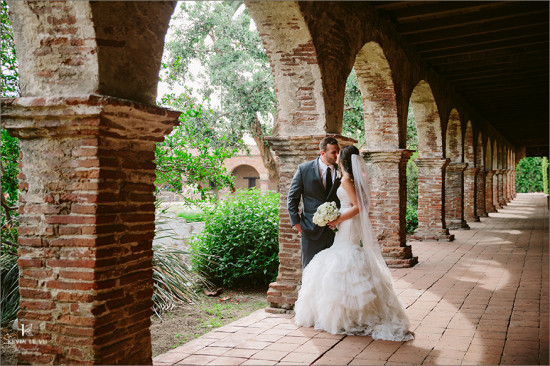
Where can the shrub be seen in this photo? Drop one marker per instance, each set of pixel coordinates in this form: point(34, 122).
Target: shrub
point(241, 237)
point(191, 216)
point(529, 175)
point(411, 219)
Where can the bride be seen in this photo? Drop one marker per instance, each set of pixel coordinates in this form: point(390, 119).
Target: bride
point(347, 288)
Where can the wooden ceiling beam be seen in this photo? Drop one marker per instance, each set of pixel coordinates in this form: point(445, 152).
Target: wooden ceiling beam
point(443, 9)
point(509, 10)
point(485, 40)
point(491, 26)
point(538, 41)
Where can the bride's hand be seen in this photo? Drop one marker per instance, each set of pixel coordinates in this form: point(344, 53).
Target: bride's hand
point(332, 224)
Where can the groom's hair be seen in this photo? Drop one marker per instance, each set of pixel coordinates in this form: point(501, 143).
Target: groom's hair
point(327, 141)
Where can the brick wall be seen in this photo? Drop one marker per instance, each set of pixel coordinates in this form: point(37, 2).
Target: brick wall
point(86, 226)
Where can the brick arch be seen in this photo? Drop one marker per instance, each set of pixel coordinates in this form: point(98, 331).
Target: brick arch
point(82, 48)
point(298, 83)
point(428, 124)
point(375, 80)
point(453, 138)
point(469, 147)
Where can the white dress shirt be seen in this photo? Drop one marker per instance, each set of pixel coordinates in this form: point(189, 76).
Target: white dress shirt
point(323, 172)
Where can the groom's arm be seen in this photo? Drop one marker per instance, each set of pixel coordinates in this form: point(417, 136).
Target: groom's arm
point(294, 196)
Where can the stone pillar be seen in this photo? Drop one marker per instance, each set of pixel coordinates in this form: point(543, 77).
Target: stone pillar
point(514, 187)
point(496, 185)
point(501, 187)
point(480, 193)
point(291, 151)
point(388, 180)
point(431, 200)
point(454, 196)
point(87, 220)
point(470, 191)
point(489, 203)
point(505, 186)
point(509, 194)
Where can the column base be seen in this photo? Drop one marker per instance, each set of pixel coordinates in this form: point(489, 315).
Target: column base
point(472, 218)
point(399, 257)
point(457, 225)
point(433, 235)
point(281, 297)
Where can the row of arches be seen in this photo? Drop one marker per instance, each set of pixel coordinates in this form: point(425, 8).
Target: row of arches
point(88, 126)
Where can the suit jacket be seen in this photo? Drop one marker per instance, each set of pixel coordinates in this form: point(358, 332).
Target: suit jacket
point(307, 185)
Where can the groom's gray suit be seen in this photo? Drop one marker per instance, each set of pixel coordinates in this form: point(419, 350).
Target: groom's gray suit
point(307, 185)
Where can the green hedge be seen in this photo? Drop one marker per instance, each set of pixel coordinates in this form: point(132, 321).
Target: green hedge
point(529, 176)
point(241, 237)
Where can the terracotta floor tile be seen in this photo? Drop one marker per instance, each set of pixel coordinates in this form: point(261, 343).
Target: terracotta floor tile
point(270, 355)
point(240, 352)
point(333, 360)
point(300, 358)
point(228, 361)
point(294, 340)
point(213, 351)
point(253, 345)
point(288, 347)
point(197, 360)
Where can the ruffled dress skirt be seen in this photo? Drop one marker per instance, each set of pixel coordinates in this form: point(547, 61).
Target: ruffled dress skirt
point(338, 293)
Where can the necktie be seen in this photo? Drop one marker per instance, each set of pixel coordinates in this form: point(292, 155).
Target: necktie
point(329, 181)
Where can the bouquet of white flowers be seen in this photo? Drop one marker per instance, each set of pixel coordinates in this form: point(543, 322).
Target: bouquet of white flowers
point(328, 211)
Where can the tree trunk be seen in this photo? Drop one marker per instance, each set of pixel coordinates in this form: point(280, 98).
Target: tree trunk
point(267, 155)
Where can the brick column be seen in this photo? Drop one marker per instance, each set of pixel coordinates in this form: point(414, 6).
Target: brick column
point(454, 196)
point(508, 176)
point(489, 203)
point(512, 187)
point(291, 151)
point(388, 180)
point(501, 187)
point(480, 193)
point(431, 200)
point(496, 186)
point(86, 226)
point(470, 191)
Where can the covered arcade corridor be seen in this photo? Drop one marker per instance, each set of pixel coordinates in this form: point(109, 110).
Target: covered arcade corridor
point(479, 300)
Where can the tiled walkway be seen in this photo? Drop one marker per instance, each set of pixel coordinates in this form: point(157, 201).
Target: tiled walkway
point(480, 300)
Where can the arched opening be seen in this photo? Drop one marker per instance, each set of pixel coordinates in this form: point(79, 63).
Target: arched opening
point(431, 166)
point(453, 138)
point(246, 177)
point(378, 95)
point(382, 154)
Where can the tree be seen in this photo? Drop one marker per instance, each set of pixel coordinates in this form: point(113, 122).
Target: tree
point(193, 153)
point(235, 66)
point(353, 124)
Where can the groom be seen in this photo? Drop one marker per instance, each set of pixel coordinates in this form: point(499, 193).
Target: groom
point(315, 182)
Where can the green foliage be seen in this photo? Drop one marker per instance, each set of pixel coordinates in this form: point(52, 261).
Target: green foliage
point(194, 150)
point(412, 194)
point(9, 86)
point(412, 135)
point(191, 216)
point(411, 219)
point(353, 123)
point(544, 167)
point(9, 301)
point(529, 175)
point(241, 237)
point(173, 279)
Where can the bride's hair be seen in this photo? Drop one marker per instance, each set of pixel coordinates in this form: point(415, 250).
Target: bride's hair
point(345, 158)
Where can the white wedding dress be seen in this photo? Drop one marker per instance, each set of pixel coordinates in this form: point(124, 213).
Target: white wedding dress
point(346, 292)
